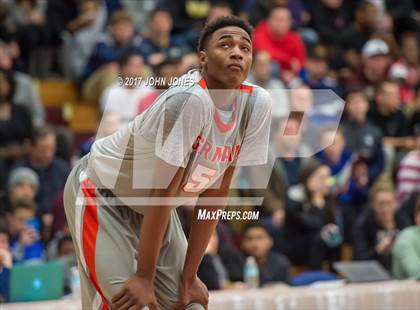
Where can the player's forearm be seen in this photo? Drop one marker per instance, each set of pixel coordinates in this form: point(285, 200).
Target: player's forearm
point(156, 220)
point(152, 231)
point(201, 230)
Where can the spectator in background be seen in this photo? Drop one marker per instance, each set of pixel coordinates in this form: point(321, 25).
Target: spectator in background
point(66, 253)
point(31, 35)
point(257, 242)
point(217, 9)
point(52, 171)
point(24, 230)
point(350, 171)
point(406, 252)
point(337, 157)
point(377, 228)
point(375, 62)
point(289, 152)
point(22, 186)
point(165, 70)
point(364, 140)
point(256, 11)
point(363, 27)
point(25, 94)
point(65, 247)
point(330, 18)
point(362, 136)
point(101, 70)
point(212, 271)
point(275, 36)
point(386, 113)
point(6, 262)
point(406, 70)
point(79, 34)
point(53, 250)
point(110, 123)
point(410, 51)
point(123, 98)
point(394, 13)
point(191, 14)
point(399, 73)
point(316, 72)
point(261, 75)
point(159, 40)
point(408, 177)
point(413, 113)
point(301, 98)
point(311, 227)
point(15, 122)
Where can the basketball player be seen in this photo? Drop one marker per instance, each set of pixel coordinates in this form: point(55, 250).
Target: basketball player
point(133, 254)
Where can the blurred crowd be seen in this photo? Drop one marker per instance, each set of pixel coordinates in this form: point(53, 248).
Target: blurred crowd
point(359, 193)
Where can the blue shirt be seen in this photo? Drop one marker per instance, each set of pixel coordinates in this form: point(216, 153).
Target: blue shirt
point(176, 47)
point(107, 51)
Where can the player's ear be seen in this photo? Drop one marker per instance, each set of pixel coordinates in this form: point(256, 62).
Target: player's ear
point(202, 58)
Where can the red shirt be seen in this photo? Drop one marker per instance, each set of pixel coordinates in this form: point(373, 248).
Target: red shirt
point(282, 49)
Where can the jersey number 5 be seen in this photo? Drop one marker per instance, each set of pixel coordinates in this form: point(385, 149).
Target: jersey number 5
point(199, 179)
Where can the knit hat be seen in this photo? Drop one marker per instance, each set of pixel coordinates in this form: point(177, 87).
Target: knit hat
point(23, 174)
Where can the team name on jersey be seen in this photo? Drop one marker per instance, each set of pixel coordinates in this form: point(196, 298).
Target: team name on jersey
point(215, 153)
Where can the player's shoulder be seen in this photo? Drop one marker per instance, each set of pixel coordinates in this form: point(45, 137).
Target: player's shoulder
point(259, 96)
point(187, 93)
point(189, 84)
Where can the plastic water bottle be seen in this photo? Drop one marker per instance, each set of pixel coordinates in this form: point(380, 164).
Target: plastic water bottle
point(75, 282)
point(251, 273)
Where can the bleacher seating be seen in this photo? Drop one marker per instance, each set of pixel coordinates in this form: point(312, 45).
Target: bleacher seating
point(63, 107)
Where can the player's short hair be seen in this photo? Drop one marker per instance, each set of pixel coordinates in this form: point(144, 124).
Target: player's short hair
point(221, 22)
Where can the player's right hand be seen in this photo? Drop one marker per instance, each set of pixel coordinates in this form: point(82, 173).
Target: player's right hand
point(192, 292)
point(137, 292)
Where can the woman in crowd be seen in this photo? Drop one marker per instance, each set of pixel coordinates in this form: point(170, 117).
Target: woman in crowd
point(377, 228)
point(15, 122)
point(311, 229)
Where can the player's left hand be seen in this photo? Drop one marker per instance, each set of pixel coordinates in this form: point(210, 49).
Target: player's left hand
point(192, 292)
point(137, 293)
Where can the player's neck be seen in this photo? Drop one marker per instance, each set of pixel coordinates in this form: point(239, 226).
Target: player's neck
point(223, 99)
point(215, 84)
point(223, 95)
